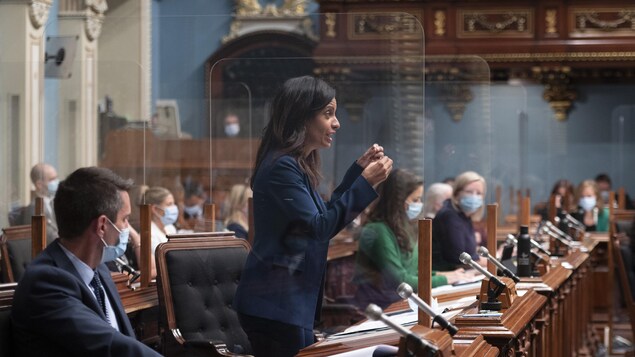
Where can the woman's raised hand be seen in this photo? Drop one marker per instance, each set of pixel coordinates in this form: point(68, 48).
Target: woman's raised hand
point(377, 171)
point(374, 153)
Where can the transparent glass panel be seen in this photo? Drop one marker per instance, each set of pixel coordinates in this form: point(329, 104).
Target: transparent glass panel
point(379, 91)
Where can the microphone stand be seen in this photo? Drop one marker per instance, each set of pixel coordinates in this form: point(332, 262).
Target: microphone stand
point(495, 287)
point(414, 346)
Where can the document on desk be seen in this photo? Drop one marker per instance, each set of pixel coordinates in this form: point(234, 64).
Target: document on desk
point(403, 318)
point(374, 351)
point(444, 289)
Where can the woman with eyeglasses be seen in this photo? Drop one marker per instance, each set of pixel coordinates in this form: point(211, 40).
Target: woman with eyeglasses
point(452, 229)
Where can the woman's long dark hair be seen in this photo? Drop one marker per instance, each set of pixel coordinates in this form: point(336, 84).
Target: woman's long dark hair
point(390, 206)
point(297, 102)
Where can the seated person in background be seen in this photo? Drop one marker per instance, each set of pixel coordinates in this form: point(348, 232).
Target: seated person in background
point(388, 253)
point(45, 183)
point(164, 215)
point(452, 229)
point(194, 197)
point(66, 304)
point(237, 218)
point(590, 209)
point(605, 184)
point(435, 196)
point(564, 198)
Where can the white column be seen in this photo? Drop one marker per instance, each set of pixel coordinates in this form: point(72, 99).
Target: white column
point(21, 95)
point(78, 94)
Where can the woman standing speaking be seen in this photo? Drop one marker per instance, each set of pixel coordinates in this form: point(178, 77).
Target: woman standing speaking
point(280, 292)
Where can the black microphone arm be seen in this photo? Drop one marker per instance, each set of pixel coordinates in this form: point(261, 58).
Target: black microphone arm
point(482, 251)
point(405, 291)
point(512, 240)
point(467, 259)
point(128, 269)
point(375, 313)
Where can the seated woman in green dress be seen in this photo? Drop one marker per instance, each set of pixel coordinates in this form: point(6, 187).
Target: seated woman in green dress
point(388, 253)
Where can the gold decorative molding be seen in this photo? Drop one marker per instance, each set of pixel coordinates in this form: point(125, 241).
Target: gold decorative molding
point(558, 89)
point(330, 20)
point(439, 22)
point(510, 23)
point(454, 90)
point(250, 17)
point(551, 22)
point(39, 12)
point(380, 25)
point(558, 56)
point(602, 22)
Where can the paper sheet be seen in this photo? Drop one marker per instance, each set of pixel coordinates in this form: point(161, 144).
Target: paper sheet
point(374, 351)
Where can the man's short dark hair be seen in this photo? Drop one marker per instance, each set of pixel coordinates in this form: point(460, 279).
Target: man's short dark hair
point(603, 178)
point(86, 194)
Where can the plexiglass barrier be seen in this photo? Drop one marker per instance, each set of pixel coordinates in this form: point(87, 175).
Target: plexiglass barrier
point(191, 123)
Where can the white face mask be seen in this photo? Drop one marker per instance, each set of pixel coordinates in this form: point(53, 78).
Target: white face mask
point(232, 130)
point(587, 203)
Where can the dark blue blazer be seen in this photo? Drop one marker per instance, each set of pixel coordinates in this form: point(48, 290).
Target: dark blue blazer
point(55, 314)
point(284, 272)
point(452, 234)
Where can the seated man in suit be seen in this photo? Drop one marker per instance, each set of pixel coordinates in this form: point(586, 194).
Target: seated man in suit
point(45, 183)
point(66, 304)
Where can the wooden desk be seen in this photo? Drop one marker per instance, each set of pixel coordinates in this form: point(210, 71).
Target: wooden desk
point(552, 319)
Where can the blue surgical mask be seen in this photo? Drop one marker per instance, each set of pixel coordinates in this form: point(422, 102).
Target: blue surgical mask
point(414, 209)
point(193, 211)
point(605, 196)
point(52, 187)
point(170, 215)
point(587, 203)
point(112, 252)
point(470, 203)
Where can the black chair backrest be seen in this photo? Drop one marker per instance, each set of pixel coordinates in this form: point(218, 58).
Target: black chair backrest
point(198, 278)
point(16, 252)
point(6, 300)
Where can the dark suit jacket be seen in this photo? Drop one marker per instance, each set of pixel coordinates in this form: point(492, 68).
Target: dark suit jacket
point(452, 234)
point(284, 272)
point(55, 314)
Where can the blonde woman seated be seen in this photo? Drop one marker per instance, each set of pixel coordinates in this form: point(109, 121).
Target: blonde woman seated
point(590, 210)
point(452, 229)
point(388, 253)
point(164, 214)
point(237, 218)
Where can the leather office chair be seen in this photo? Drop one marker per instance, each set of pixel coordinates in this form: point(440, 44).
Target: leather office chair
point(15, 246)
point(197, 279)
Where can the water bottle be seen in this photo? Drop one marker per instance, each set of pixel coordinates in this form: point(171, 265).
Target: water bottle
point(523, 253)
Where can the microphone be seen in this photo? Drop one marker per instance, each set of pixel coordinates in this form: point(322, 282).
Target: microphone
point(512, 240)
point(482, 251)
point(375, 313)
point(405, 291)
point(574, 221)
point(547, 230)
point(467, 259)
point(557, 230)
point(128, 269)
